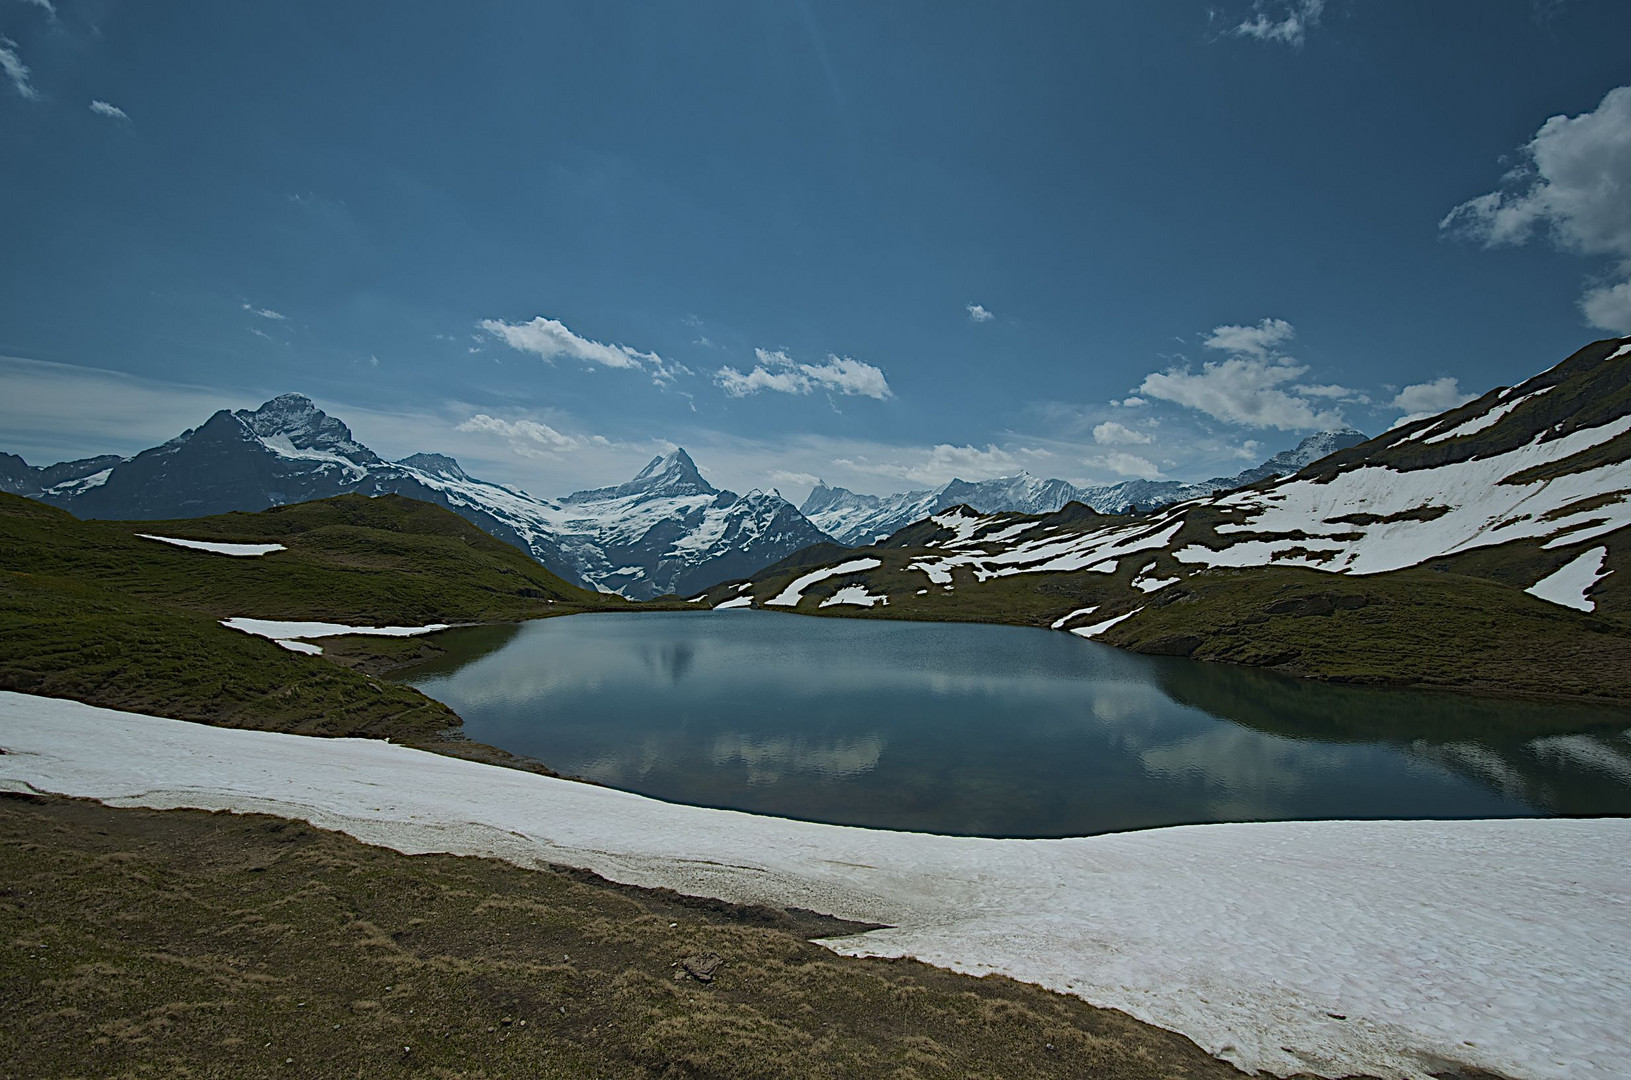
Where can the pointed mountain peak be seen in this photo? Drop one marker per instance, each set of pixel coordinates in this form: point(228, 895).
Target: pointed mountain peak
point(437, 465)
point(296, 420)
point(670, 474)
point(674, 465)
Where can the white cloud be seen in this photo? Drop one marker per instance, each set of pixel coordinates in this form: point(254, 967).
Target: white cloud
point(1421, 400)
point(45, 5)
point(1132, 402)
point(1574, 182)
point(11, 62)
point(1289, 24)
point(549, 339)
point(944, 462)
point(112, 112)
point(529, 438)
point(1609, 307)
point(1255, 386)
point(1125, 464)
point(265, 313)
point(1258, 340)
point(1331, 390)
point(978, 313)
point(1110, 433)
point(803, 479)
point(53, 412)
point(779, 372)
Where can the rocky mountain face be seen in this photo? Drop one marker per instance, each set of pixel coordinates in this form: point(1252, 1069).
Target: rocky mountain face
point(1496, 533)
point(18, 477)
point(862, 519)
point(669, 530)
point(665, 530)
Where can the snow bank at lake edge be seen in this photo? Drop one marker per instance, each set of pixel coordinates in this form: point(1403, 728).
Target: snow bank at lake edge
point(1334, 947)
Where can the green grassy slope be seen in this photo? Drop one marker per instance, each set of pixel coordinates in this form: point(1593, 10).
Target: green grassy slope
point(96, 613)
point(349, 559)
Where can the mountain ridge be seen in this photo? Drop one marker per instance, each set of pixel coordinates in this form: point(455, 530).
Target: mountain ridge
point(665, 530)
point(858, 519)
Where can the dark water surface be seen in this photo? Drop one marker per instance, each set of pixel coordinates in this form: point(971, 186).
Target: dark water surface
point(999, 731)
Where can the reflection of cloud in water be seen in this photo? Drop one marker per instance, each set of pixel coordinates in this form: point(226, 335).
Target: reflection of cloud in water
point(1586, 752)
point(1482, 762)
point(1242, 761)
point(634, 762)
point(769, 759)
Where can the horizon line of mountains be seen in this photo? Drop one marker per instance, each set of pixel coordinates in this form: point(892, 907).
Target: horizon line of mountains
point(665, 531)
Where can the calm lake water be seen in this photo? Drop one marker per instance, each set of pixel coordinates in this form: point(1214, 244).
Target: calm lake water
point(999, 731)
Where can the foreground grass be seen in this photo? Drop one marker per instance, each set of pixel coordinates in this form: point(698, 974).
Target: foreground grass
point(189, 944)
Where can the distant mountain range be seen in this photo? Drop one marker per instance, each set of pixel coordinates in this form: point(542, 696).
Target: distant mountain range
point(862, 519)
point(666, 530)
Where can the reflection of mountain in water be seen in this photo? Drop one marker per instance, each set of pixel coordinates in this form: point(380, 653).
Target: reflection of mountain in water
point(1584, 768)
point(672, 660)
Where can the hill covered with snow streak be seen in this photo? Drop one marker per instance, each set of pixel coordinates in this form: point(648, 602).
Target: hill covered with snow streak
point(1525, 491)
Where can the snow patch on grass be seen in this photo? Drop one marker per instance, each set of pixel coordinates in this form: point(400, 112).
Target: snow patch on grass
point(284, 631)
point(854, 594)
point(241, 550)
point(790, 596)
point(1569, 584)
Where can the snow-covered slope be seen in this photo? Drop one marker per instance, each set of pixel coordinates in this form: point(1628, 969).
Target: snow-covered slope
point(1397, 949)
point(863, 519)
point(1523, 481)
point(667, 529)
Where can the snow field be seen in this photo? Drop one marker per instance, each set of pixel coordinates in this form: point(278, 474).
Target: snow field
point(855, 595)
point(790, 596)
point(1098, 628)
point(1482, 510)
point(1388, 948)
point(285, 633)
point(1568, 584)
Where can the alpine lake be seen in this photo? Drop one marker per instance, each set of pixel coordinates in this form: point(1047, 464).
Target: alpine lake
point(983, 730)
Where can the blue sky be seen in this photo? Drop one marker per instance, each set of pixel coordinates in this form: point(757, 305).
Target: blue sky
point(880, 243)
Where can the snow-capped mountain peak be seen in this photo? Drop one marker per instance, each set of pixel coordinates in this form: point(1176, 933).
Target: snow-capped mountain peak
point(665, 530)
point(667, 475)
point(294, 425)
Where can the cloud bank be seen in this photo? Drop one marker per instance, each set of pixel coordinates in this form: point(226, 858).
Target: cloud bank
point(1288, 24)
point(1573, 184)
point(549, 339)
point(778, 372)
point(1255, 386)
point(11, 62)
